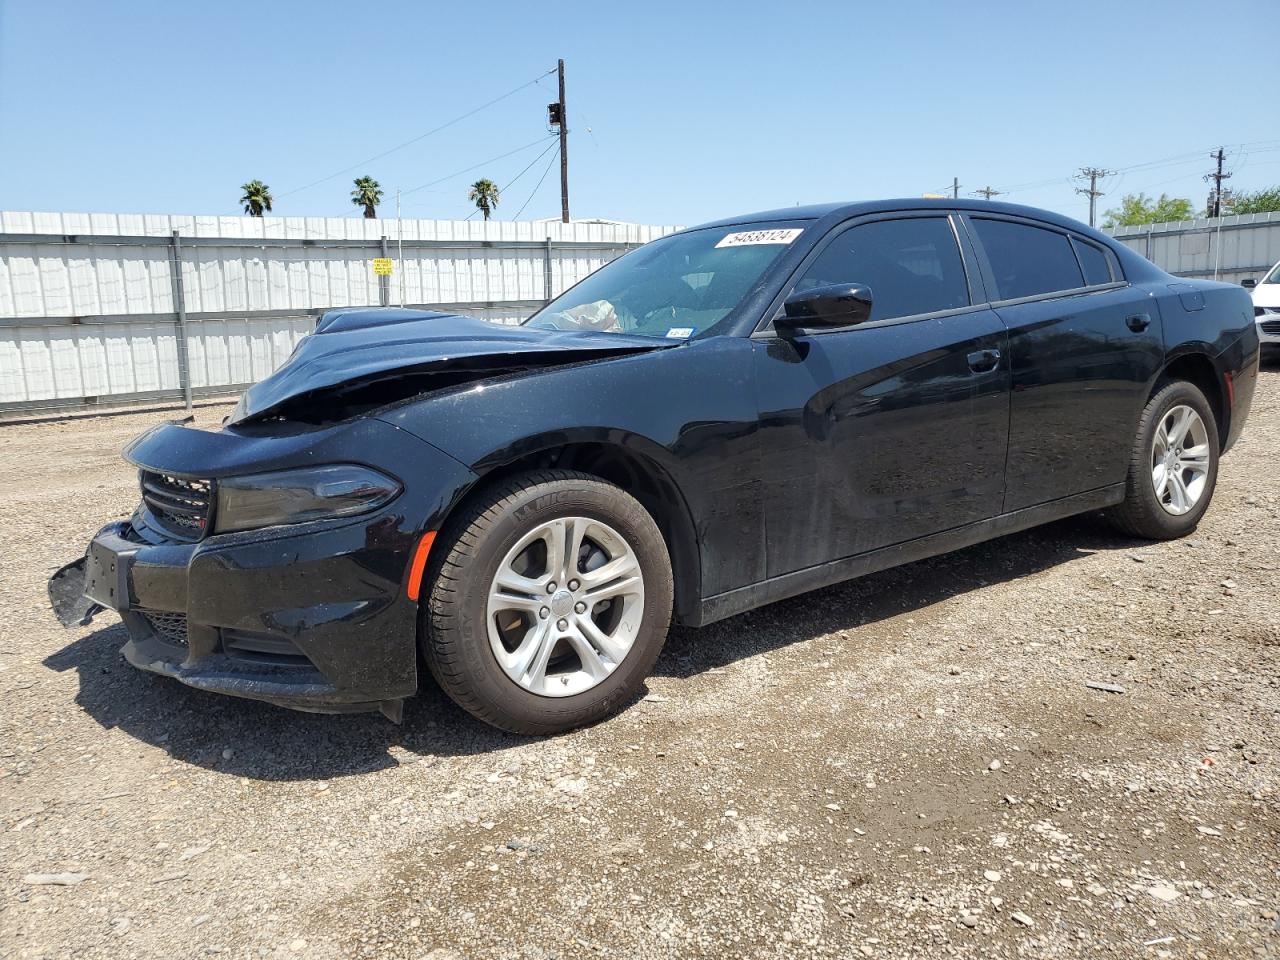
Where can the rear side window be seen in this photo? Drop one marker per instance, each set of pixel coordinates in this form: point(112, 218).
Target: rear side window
point(912, 266)
point(1097, 268)
point(1027, 261)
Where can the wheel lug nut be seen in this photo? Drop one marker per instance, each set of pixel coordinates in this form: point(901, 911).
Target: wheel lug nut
point(544, 613)
point(573, 584)
point(551, 587)
point(562, 624)
point(580, 607)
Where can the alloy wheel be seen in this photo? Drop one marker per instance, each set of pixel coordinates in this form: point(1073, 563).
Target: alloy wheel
point(565, 606)
point(1180, 460)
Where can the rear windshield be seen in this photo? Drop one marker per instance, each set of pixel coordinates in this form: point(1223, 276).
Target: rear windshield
point(675, 287)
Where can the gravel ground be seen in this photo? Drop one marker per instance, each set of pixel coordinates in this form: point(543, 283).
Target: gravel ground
point(909, 765)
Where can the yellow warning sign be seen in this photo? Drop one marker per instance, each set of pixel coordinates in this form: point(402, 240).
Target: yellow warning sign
point(382, 266)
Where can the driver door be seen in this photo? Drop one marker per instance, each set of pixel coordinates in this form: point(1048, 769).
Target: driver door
point(893, 429)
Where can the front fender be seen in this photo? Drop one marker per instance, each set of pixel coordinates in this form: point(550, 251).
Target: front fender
point(690, 410)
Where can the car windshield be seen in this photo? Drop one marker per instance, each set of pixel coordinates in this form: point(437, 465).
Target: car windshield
point(1274, 275)
point(674, 287)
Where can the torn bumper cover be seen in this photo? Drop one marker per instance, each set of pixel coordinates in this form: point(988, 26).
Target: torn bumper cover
point(313, 616)
point(214, 617)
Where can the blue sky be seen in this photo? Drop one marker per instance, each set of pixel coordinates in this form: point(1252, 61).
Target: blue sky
point(680, 112)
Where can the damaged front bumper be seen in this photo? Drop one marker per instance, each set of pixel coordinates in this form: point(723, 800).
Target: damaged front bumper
point(313, 616)
point(216, 619)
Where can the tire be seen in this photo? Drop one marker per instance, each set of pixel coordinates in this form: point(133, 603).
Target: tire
point(1142, 512)
point(462, 637)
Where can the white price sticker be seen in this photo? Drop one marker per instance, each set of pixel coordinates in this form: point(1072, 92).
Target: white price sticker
point(753, 237)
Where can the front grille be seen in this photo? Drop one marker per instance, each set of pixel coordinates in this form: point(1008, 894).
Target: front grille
point(1270, 326)
point(179, 506)
point(169, 627)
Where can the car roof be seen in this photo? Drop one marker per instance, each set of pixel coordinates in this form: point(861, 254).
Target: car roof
point(842, 211)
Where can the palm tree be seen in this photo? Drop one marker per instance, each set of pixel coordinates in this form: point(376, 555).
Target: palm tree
point(257, 198)
point(484, 194)
point(367, 194)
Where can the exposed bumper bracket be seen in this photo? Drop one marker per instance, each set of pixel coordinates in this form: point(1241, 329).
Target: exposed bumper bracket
point(66, 596)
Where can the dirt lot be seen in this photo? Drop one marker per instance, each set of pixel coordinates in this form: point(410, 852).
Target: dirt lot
point(910, 765)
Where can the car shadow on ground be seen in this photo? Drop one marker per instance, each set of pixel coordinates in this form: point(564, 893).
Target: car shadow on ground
point(256, 740)
point(901, 590)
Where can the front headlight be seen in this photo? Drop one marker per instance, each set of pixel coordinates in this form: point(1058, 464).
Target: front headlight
point(296, 496)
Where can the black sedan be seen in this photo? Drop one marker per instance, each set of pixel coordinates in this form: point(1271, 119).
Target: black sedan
point(727, 416)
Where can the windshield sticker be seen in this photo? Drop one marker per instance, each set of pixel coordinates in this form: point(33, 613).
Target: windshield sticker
point(680, 333)
point(752, 237)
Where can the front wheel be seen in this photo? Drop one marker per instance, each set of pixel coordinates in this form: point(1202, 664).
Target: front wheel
point(549, 604)
point(1173, 467)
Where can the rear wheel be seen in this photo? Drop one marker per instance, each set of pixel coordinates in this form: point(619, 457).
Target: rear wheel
point(1173, 467)
point(549, 603)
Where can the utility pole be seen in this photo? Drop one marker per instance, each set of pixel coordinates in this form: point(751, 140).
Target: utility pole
point(1217, 196)
point(1092, 174)
point(955, 188)
point(560, 118)
point(988, 192)
point(400, 248)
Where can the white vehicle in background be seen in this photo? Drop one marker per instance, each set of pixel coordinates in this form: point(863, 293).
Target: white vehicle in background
point(1266, 308)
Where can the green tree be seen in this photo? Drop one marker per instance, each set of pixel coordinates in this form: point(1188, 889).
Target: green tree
point(1138, 208)
point(257, 198)
point(484, 194)
point(1262, 201)
point(367, 194)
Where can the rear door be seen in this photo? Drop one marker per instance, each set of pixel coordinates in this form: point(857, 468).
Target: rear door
point(1083, 348)
point(897, 427)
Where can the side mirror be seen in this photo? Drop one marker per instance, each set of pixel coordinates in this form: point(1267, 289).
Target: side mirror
point(835, 305)
point(1249, 283)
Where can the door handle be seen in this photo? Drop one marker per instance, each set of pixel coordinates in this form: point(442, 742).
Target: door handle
point(1138, 322)
point(984, 361)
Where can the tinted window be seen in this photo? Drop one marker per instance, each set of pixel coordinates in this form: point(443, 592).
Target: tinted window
point(912, 266)
point(1097, 269)
point(1027, 261)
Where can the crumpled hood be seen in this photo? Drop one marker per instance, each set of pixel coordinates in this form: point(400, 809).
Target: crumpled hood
point(354, 350)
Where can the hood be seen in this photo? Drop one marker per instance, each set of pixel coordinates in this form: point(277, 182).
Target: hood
point(360, 359)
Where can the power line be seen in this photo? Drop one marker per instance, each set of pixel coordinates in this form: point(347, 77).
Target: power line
point(510, 183)
point(1195, 156)
point(421, 136)
point(1181, 159)
point(1033, 184)
point(1181, 177)
point(477, 166)
point(987, 192)
point(1158, 183)
point(535, 189)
